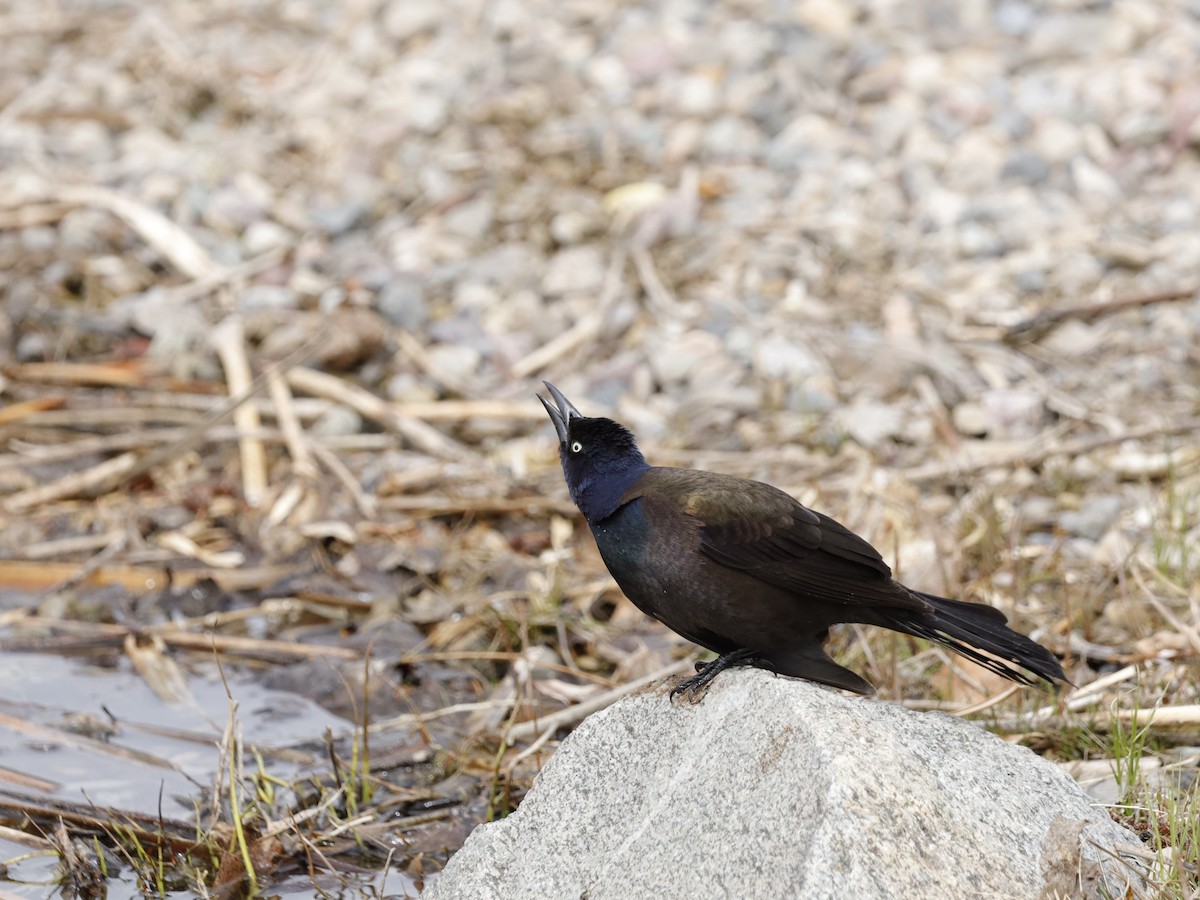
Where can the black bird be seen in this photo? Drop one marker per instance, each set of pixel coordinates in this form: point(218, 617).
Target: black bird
point(745, 570)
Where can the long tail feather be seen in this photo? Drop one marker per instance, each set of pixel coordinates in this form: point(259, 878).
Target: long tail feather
point(975, 630)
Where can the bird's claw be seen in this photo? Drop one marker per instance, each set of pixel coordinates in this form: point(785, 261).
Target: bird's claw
point(692, 688)
point(697, 686)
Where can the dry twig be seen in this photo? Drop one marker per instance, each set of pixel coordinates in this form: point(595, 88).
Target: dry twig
point(1038, 450)
point(1036, 327)
point(228, 339)
point(422, 436)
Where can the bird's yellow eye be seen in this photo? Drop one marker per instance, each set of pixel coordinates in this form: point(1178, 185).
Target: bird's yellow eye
point(576, 447)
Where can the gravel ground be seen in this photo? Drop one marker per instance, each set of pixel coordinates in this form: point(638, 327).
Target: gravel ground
point(733, 226)
point(858, 197)
point(933, 266)
point(757, 228)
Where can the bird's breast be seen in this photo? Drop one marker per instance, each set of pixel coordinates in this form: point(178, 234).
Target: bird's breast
point(652, 561)
point(623, 539)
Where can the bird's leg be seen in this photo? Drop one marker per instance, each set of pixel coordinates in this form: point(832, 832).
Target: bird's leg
point(695, 686)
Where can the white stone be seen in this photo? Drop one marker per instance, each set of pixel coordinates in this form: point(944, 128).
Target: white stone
point(771, 787)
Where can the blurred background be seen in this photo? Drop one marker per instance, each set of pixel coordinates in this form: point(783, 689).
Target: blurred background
point(933, 267)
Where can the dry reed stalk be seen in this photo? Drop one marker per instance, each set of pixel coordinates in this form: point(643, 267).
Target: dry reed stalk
point(96, 479)
point(15, 412)
point(24, 575)
point(289, 424)
point(1038, 450)
point(366, 404)
point(82, 742)
point(167, 238)
point(228, 339)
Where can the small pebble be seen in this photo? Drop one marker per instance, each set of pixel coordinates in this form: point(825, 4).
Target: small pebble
point(1094, 517)
point(268, 296)
point(402, 301)
point(337, 220)
point(337, 421)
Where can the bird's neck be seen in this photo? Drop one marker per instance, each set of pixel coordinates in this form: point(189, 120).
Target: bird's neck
point(601, 494)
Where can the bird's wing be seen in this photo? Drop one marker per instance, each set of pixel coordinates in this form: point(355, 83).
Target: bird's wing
point(769, 535)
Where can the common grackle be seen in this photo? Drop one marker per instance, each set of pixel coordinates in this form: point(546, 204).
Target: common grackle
point(745, 570)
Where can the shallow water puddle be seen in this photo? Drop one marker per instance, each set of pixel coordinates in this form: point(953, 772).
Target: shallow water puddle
point(101, 739)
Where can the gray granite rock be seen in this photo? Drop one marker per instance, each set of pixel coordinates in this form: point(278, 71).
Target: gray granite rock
point(777, 788)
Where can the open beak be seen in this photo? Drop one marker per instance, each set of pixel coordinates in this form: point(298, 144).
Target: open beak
point(563, 414)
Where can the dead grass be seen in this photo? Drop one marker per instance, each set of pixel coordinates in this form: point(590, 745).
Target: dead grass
point(515, 625)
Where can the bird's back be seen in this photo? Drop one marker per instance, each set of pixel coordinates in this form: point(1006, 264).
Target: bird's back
point(656, 545)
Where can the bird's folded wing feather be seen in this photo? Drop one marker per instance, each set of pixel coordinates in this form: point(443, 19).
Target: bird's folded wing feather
point(759, 529)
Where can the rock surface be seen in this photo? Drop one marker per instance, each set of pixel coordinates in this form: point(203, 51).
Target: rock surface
point(779, 788)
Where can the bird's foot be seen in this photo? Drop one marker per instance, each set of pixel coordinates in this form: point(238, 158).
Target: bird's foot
point(695, 687)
